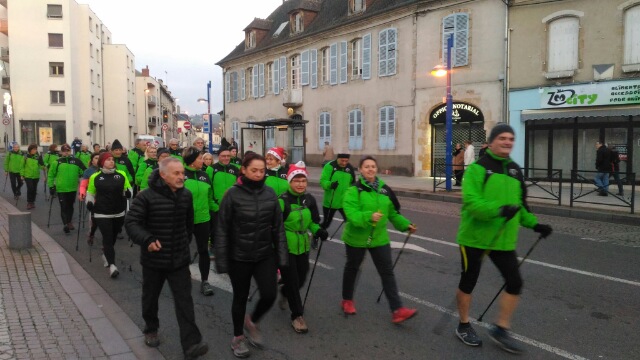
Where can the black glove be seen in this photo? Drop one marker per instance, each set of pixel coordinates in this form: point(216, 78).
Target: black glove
point(52, 190)
point(127, 194)
point(90, 205)
point(334, 185)
point(543, 229)
point(323, 234)
point(509, 211)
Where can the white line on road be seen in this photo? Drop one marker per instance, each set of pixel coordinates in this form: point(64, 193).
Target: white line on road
point(398, 245)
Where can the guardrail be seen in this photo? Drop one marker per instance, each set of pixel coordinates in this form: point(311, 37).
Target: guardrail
point(549, 181)
point(584, 190)
point(439, 176)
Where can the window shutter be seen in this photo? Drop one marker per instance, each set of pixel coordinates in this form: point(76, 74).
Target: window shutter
point(234, 82)
point(261, 79)
point(343, 62)
point(355, 130)
point(632, 36)
point(254, 81)
point(352, 129)
point(563, 44)
point(283, 72)
point(358, 130)
point(366, 57)
point(387, 131)
point(314, 68)
point(391, 51)
point(382, 53)
point(242, 85)
point(276, 76)
point(391, 128)
point(227, 91)
point(448, 29)
point(304, 68)
point(333, 60)
point(461, 41)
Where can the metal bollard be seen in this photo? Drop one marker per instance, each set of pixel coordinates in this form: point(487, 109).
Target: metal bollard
point(19, 230)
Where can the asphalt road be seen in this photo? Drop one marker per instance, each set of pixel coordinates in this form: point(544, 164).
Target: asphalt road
point(581, 296)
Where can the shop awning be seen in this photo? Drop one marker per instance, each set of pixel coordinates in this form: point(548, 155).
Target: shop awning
point(567, 113)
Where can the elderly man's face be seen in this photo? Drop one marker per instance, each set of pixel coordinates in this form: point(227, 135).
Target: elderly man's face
point(16, 147)
point(199, 143)
point(173, 175)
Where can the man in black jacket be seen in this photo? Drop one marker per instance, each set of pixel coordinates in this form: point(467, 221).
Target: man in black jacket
point(163, 232)
point(603, 166)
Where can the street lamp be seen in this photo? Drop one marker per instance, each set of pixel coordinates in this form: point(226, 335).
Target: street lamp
point(441, 71)
point(208, 101)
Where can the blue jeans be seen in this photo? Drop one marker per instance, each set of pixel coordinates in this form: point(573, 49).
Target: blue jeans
point(602, 181)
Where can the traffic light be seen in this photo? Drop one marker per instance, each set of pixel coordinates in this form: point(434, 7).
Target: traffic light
point(165, 116)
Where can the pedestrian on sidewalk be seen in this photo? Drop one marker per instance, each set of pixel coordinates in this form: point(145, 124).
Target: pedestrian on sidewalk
point(250, 241)
point(276, 175)
point(75, 145)
point(107, 196)
point(615, 166)
point(30, 173)
point(483, 149)
point(337, 176)
point(603, 166)
point(198, 182)
point(458, 164)
point(300, 215)
point(369, 206)
point(327, 153)
point(160, 220)
point(63, 180)
point(469, 153)
point(13, 164)
point(82, 195)
point(494, 207)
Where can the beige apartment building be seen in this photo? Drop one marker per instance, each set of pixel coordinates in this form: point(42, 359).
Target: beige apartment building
point(575, 80)
point(358, 71)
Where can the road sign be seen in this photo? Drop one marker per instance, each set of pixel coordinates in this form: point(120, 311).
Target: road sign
point(186, 125)
point(165, 127)
point(179, 130)
point(205, 127)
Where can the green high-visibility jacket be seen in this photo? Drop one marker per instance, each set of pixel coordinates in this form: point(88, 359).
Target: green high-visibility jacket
point(223, 177)
point(14, 161)
point(32, 165)
point(50, 158)
point(136, 156)
point(490, 183)
point(300, 213)
point(360, 202)
point(85, 157)
point(277, 179)
point(65, 173)
point(197, 181)
point(145, 168)
point(345, 176)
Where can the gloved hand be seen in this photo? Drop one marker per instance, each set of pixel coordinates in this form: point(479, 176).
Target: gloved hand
point(52, 190)
point(543, 229)
point(509, 211)
point(127, 194)
point(90, 206)
point(334, 185)
point(323, 234)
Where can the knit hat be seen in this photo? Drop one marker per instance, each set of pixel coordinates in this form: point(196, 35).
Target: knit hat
point(65, 147)
point(103, 157)
point(298, 168)
point(190, 154)
point(344, 155)
point(278, 152)
point(116, 145)
point(161, 151)
point(223, 148)
point(499, 129)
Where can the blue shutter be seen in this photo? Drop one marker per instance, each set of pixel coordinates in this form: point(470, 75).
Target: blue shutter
point(227, 87)
point(387, 132)
point(458, 26)
point(314, 68)
point(382, 53)
point(391, 51)
point(283, 72)
point(333, 64)
point(242, 85)
point(352, 130)
point(366, 57)
point(355, 130)
point(234, 85)
point(261, 79)
point(254, 81)
point(276, 76)
point(343, 62)
point(304, 68)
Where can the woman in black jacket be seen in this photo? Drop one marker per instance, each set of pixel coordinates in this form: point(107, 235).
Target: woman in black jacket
point(250, 242)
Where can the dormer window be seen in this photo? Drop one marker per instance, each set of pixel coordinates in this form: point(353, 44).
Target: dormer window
point(357, 6)
point(298, 22)
point(251, 39)
point(255, 32)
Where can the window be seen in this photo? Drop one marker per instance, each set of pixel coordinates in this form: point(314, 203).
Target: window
point(90, 24)
point(366, 57)
point(280, 28)
point(91, 50)
point(98, 55)
point(235, 131)
point(387, 52)
point(270, 134)
point(355, 129)
point(632, 37)
point(458, 26)
point(269, 78)
point(298, 22)
point(252, 83)
point(234, 86)
point(275, 75)
point(56, 69)
point(304, 68)
point(93, 105)
point(92, 77)
point(57, 97)
point(295, 72)
point(324, 131)
point(227, 86)
point(261, 79)
point(387, 131)
point(243, 85)
point(333, 64)
point(99, 105)
point(324, 66)
point(562, 47)
point(357, 5)
point(251, 39)
point(313, 67)
point(356, 59)
point(55, 40)
point(97, 34)
point(344, 62)
point(99, 80)
point(54, 11)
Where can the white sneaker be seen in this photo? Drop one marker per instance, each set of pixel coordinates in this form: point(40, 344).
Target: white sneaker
point(113, 271)
point(104, 260)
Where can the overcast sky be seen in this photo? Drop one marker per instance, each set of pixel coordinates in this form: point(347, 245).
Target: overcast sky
point(185, 38)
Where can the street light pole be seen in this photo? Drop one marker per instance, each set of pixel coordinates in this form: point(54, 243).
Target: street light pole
point(209, 117)
point(449, 124)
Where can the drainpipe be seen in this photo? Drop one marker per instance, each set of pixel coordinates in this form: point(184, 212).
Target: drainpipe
point(507, 53)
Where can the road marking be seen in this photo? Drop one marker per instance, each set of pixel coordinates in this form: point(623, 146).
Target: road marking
point(398, 245)
point(582, 272)
point(325, 266)
point(524, 339)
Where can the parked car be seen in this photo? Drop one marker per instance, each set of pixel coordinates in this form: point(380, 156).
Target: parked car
point(215, 148)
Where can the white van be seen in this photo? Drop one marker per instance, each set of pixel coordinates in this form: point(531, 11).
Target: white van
point(155, 140)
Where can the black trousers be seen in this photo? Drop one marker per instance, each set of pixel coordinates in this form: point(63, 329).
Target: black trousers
point(32, 189)
point(294, 277)
point(201, 232)
point(109, 228)
point(94, 225)
point(66, 200)
point(265, 274)
point(180, 284)
point(328, 216)
point(381, 256)
point(16, 183)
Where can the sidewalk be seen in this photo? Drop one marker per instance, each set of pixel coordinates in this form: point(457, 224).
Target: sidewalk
point(50, 308)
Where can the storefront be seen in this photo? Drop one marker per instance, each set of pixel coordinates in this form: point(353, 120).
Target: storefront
point(562, 124)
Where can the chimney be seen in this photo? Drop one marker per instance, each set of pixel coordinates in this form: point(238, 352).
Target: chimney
point(145, 71)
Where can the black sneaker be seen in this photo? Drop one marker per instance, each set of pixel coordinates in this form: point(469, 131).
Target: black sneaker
point(196, 350)
point(504, 340)
point(206, 289)
point(467, 335)
point(66, 229)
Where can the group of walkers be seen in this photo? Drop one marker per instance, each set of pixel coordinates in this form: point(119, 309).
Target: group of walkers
point(260, 223)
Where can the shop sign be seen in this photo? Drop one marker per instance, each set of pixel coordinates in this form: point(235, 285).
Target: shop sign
point(45, 135)
point(596, 94)
point(462, 112)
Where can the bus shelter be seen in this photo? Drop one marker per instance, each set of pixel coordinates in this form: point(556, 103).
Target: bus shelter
point(290, 134)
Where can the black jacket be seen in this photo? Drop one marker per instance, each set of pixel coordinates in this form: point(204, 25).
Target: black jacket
point(250, 226)
point(603, 159)
point(158, 213)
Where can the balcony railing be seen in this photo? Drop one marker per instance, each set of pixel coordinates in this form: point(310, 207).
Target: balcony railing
point(152, 100)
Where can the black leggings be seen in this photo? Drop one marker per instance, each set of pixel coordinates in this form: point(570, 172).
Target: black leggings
point(16, 183)
point(32, 189)
point(328, 216)
point(265, 274)
point(505, 261)
point(294, 277)
point(66, 200)
point(109, 228)
point(201, 233)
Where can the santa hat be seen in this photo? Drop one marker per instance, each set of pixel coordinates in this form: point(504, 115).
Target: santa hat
point(278, 152)
point(298, 168)
point(103, 157)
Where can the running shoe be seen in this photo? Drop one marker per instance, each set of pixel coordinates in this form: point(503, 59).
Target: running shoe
point(504, 340)
point(402, 314)
point(348, 307)
point(253, 332)
point(467, 335)
point(206, 289)
point(239, 347)
point(299, 325)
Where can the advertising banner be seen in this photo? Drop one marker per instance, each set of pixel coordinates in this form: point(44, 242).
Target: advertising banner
point(596, 94)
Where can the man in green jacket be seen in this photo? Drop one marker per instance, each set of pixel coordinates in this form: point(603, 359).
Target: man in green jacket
point(64, 176)
point(31, 173)
point(136, 155)
point(493, 209)
point(13, 163)
point(84, 155)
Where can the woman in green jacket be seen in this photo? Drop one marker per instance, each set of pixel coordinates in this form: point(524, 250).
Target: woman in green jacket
point(51, 157)
point(276, 174)
point(369, 206)
point(150, 161)
point(31, 174)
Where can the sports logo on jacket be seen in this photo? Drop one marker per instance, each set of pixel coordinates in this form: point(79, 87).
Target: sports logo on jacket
point(202, 178)
point(513, 172)
point(116, 176)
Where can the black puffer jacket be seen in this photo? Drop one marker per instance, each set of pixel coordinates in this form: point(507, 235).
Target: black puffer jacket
point(158, 213)
point(250, 226)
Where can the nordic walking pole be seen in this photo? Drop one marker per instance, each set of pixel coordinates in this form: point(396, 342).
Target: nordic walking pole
point(6, 176)
point(505, 284)
point(395, 262)
point(80, 207)
point(50, 205)
point(44, 186)
point(253, 293)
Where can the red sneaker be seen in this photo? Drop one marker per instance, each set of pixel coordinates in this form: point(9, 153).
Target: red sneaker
point(402, 314)
point(348, 307)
